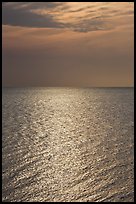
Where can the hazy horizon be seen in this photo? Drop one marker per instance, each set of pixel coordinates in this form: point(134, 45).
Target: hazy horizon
point(68, 86)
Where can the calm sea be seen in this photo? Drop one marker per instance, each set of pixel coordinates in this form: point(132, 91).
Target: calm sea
point(68, 144)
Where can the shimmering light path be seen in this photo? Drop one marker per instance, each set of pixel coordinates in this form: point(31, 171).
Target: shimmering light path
point(62, 144)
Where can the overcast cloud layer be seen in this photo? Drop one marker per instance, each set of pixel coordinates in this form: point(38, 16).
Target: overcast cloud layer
point(77, 16)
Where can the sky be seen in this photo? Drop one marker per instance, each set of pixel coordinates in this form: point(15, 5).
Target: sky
point(85, 44)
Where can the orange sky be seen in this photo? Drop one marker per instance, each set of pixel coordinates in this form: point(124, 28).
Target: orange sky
point(68, 43)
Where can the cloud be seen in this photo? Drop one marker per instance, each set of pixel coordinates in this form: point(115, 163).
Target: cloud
point(76, 16)
point(21, 15)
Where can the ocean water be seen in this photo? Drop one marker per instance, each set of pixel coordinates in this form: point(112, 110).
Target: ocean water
point(68, 144)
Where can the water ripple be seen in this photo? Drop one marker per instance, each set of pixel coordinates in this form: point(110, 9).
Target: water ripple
point(62, 144)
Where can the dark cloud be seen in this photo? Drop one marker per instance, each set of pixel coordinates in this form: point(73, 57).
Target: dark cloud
point(31, 5)
point(93, 24)
point(82, 9)
point(19, 15)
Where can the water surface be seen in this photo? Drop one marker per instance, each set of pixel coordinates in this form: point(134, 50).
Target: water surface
point(67, 144)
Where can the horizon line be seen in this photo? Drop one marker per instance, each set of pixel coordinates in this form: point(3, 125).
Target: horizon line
point(67, 86)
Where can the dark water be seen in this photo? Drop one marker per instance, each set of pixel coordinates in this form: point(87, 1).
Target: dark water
point(62, 144)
